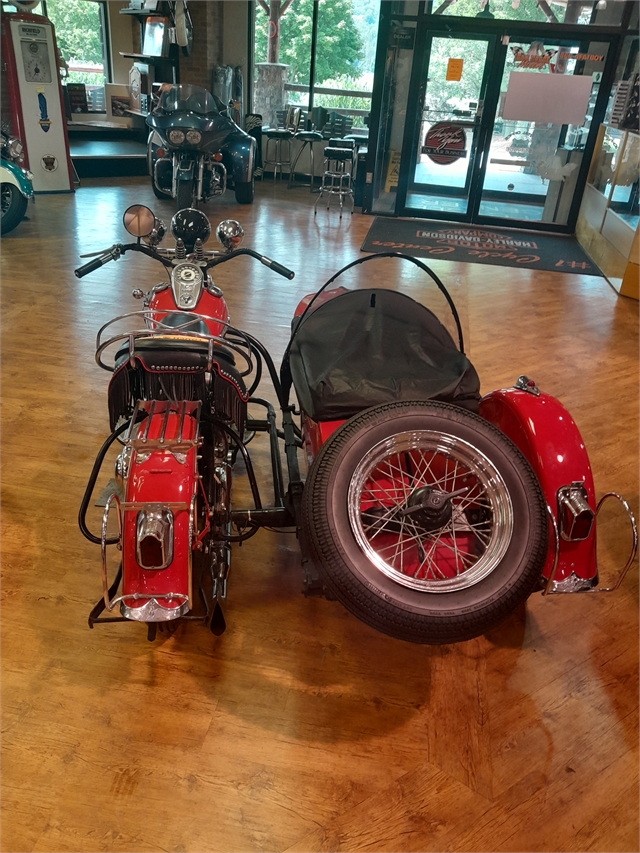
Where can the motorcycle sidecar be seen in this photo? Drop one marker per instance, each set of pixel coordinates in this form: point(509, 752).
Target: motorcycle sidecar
point(429, 512)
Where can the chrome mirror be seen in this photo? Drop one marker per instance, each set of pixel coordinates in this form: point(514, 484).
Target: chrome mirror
point(230, 234)
point(139, 220)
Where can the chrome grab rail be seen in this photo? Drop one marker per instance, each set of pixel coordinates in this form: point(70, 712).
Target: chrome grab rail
point(103, 544)
point(621, 573)
point(154, 327)
point(634, 539)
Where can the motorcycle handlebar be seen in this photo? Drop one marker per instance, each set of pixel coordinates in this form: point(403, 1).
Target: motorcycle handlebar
point(276, 267)
point(118, 250)
point(95, 264)
point(273, 265)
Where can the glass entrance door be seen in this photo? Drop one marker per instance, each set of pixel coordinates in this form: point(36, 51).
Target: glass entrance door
point(533, 153)
point(502, 129)
point(442, 154)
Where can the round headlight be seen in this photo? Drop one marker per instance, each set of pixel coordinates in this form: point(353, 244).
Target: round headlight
point(14, 149)
point(176, 136)
point(188, 225)
point(194, 137)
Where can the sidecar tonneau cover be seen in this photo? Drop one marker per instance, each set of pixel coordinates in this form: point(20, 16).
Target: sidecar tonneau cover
point(367, 347)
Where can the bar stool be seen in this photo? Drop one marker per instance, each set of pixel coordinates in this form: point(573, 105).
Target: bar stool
point(276, 154)
point(316, 118)
point(306, 137)
point(338, 172)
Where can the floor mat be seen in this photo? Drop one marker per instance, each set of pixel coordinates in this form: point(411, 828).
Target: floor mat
point(423, 238)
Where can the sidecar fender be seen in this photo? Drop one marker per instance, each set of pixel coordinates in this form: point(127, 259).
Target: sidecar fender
point(548, 437)
point(160, 505)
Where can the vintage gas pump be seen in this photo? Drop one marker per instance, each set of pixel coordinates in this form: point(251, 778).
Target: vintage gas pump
point(31, 85)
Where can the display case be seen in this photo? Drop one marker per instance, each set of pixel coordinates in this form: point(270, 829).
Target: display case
point(608, 222)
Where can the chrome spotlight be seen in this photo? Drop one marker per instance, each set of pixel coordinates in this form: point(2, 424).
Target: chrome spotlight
point(230, 234)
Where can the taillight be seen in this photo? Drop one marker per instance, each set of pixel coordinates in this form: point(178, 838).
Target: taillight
point(575, 516)
point(154, 539)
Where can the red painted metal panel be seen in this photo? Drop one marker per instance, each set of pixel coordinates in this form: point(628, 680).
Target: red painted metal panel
point(162, 477)
point(548, 437)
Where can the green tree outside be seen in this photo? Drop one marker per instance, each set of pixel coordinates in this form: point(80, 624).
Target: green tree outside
point(78, 34)
point(339, 49)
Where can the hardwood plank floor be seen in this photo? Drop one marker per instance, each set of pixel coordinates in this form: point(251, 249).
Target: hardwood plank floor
point(300, 728)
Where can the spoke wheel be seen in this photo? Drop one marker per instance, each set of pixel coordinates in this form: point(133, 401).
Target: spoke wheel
point(434, 552)
point(425, 521)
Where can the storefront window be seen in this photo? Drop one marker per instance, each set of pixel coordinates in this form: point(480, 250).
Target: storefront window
point(81, 39)
point(345, 38)
point(602, 12)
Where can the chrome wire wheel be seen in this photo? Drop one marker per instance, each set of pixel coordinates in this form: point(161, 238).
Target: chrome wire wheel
point(425, 521)
point(442, 548)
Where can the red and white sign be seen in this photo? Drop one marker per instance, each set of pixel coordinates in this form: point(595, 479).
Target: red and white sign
point(445, 143)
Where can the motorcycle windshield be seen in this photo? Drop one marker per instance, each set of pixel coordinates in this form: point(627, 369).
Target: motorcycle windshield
point(187, 98)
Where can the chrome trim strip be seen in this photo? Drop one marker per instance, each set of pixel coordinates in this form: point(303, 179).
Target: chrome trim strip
point(153, 611)
point(571, 584)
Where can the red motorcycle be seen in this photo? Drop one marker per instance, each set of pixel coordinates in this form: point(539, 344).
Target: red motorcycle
point(429, 511)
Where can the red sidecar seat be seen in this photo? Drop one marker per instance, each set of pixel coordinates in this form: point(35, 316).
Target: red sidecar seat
point(367, 347)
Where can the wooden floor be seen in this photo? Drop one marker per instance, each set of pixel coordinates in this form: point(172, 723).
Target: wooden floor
point(300, 728)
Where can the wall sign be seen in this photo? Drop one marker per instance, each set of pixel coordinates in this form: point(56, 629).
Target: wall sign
point(535, 57)
point(445, 143)
point(583, 57)
point(403, 37)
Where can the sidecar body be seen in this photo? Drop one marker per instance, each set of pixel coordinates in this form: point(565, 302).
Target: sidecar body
point(431, 511)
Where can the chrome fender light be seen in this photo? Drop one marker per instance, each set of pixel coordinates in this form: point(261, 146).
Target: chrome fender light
point(575, 516)
point(154, 539)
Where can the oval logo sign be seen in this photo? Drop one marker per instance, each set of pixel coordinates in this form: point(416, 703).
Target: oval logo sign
point(445, 143)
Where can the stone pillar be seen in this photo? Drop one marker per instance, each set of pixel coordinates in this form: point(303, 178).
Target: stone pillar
point(269, 93)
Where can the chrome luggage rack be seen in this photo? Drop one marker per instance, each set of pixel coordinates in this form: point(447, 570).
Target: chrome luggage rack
point(154, 327)
point(178, 444)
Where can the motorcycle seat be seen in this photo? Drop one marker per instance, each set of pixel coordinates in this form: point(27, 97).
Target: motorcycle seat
point(174, 352)
point(364, 348)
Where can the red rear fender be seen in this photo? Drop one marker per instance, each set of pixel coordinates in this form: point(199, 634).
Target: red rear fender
point(159, 518)
point(548, 437)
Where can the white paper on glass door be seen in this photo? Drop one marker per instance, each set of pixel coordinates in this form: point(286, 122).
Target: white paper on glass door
point(547, 98)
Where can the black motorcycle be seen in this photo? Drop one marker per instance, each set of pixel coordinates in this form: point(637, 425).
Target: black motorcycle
point(194, 145)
